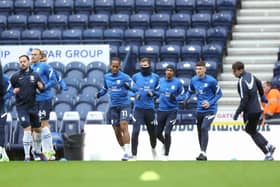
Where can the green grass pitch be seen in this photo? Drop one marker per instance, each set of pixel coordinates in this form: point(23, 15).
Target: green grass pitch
point(127, 174)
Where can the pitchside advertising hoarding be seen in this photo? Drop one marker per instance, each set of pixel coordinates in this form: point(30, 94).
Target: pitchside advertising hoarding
point(61, 53)
point(227, 141)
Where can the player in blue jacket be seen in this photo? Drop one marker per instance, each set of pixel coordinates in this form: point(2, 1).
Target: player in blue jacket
point(145, 87)
point(170, 92)
point(117, 84)
point(44, 104)
point(208, 92)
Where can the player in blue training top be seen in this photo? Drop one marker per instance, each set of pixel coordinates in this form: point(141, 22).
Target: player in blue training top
point(145, 87)
point(117, 83)
point(44, 104)
point(170, 92)
point(208, 92)
point(248, 87)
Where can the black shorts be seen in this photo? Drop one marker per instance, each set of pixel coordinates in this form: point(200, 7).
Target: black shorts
point(119, 113)
point(44, 109)
point(28, 117)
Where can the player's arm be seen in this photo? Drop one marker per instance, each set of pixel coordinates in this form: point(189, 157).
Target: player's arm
point(190, 91)
point(52, 82)
point(103, 90)
point(244, 97)
point(157, 87)
point(218, 93)
point(181, 96)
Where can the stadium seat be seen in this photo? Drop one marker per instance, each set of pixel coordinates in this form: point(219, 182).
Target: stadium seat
point(223, 19)
point(201, 20)
point(170, 53)
point(39, 22)
point(160, 21)
point(185, 80)
point(62, 103)
point(92, 36)
point(139, 21)
point(227, 6)
point(74, 82)
point(31, 37)
point(63, 7)
point(84, 104)
point(114, 51)
point(23, 7)
point(78, 21)
point(113, 36)
point(8, 131)
point(133, 53)
point(11, 67)
point(161, 66)
point(18, 22)
point(217, 35)
point(95, 73)
point(95, 117)
point(124, 6)
point(71, 123)
point(91, 86)
point(175, 37)
point(186, 69)
point(51, 36)
point(165, 6)
point(75, 70)
point(96, 65)
point(149, 51)
point(191, 52)
point(6, 7)
point(58, 22)
point(154, 37)
point(119, 21)
point(181, 21)
point(103, 107)
point(53, 122)
point(83, 7)
point(213, 52)
point(43, 7)
point(10, 37)
point(206, 6)
point(98, 21)
point(134, 37)
point(185, 6)
point(104, 7)
point(59, 67)
point(212, 67)
point(3, 22)
point(145, 6)
point(196, 36)
point(72, 36)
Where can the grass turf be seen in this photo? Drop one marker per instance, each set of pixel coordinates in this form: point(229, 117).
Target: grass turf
point(127, 174)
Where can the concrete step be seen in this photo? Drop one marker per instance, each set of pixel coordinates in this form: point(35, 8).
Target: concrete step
point(252, 51)
point(251, 59)
point(228, 84)
point(260, 75)
point(260, 4)
point(256, 28)
point(230, 92)
point(255, 35)
point(229, 101)
point(259, 12)
point(254, 43)
point(252, 67)
point(258, 19)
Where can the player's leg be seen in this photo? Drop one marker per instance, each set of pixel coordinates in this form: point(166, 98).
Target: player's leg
point(151, 123)
point(199, 119)
point(170, 122)
point(138, 120)
point(3, 155)
point(124, 118)
point(161, 119)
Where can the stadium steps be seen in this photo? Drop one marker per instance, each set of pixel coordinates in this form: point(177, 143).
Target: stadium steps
point(255, 41)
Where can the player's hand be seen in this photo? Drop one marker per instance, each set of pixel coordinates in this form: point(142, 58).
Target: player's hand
point(264, 99)
point(205, 104)
point(235, 116)
point(150, 93)
point(172, 98)
point(40, 85)
point(126, 85)
point(16, 91)
point(137, 96)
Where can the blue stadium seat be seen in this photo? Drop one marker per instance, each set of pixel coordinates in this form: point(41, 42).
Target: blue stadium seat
point(213, 52)
point(114, 51)
point(140, 21)
point(6, 7)
point(103, 107)
point(43, 7)
point(72, 36)
point(23, 7)
point(186, 69)
point(217, 35)
point(83, 109)
point(145, 6)
point(104, 6)
point(181, 21)
point(10, 37)
point(18, 22)
point(124, 6)
point(165, 6)
point(175, 37)
point(63, 7)
point(113, 36)
point(119, 21)
point(74, 82)
point(78, 21)
point(170, 53)
point(31, 37)
point(62, 103)
point(96, 65)
point(154, 37)
point(161, 66)
point(150, 51)
point(206, 6)
point(71, 123)
point(75, 70)
point(59, 67)
point(160, 21)
point(134, 37)
point(223, 19)
point(93, 82)
point(95, 117)
point(98, 21)
point(83, 7)
point(185, 6)
point(51, 36)
point(53, 122)
point(196, 36)
point(3, 22)
point(96, 74)
point(191, 52)
point(93, 36)
point(227, 6)
point(58, 22)
point(11, 67)
point(212, 67)
point(39, 22)
point(201, 20)
point(72, 91)
point(129, 56)
point(185, 80)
